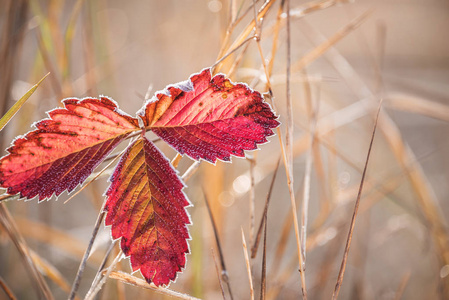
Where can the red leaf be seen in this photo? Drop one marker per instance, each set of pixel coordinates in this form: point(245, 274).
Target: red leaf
point(210, 118)
point(63, 151)
point(146, 208)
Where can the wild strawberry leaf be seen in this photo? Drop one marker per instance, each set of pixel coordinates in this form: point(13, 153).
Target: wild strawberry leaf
point(210, 118)
point(64, 149)
point(146, 208)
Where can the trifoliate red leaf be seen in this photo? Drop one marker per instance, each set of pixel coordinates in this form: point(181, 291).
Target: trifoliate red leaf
point(146, 208)
point(64, 149)
point(210, 117)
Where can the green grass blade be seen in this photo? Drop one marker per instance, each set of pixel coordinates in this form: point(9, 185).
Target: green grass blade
point(15, 108)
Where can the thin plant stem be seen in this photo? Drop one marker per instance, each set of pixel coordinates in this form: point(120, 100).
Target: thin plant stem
point(96, 288)
point(224, 272)
point(102, 265)
point(252, 200)
point(7, 290)
point(308, 170)
point(402, 285)
point(263, 285)
point(220, 282)
point(354, 215)
point(132, 280)
point(7, 221)
point(231, 51)
point(326, 45)
point(289, 155)
point(79, 274)
point(248, 266)
point(265, 211)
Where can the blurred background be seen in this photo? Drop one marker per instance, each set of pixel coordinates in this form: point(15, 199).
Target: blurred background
point(345, 55)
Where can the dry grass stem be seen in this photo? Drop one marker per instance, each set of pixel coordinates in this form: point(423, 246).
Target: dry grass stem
point(224, 272)
point(54, 238)
point(322, 48)
point(418, 106)
point(404, 281)
point(263, 285)
point(255, 246)
point(7, 290)
point(98, 280)
point(248, 266)
point(220, 282)
point(10, 227)
point(132, 280)
point(79, 274)
point(354, 216)
point(97, 284)
point(252, 200)
point(50, 271)
point(289, 156)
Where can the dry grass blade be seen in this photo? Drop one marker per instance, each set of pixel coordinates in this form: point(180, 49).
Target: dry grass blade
point(314, 6)
point(224, 272)
point(356, 208)
point(322, 48)
point(15, 108)
point(282, 244)
point(10, 227)
point(402, 285)
point(308, 168)
point(417, 105)
point(237, 61)
point(79, 274)
point(217, 65)
point(263, 285)
point(7, 290)
point(13, 30)
point(403, 154)
point(251, 7)
point(248, 266)
point(252, 200)
point(68, 37)
point(220, 282)
point(129, 279)
point(243, 37)
point(265, 212)
point(289, 156)
point(274, 46)
point(98, 284)
point(46, 57)
point(50, 271)
point(280, 282)
point(53, 237)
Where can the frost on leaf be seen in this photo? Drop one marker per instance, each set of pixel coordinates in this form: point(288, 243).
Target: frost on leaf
point(210, 118)
point(64, 149)
point(146, 209)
